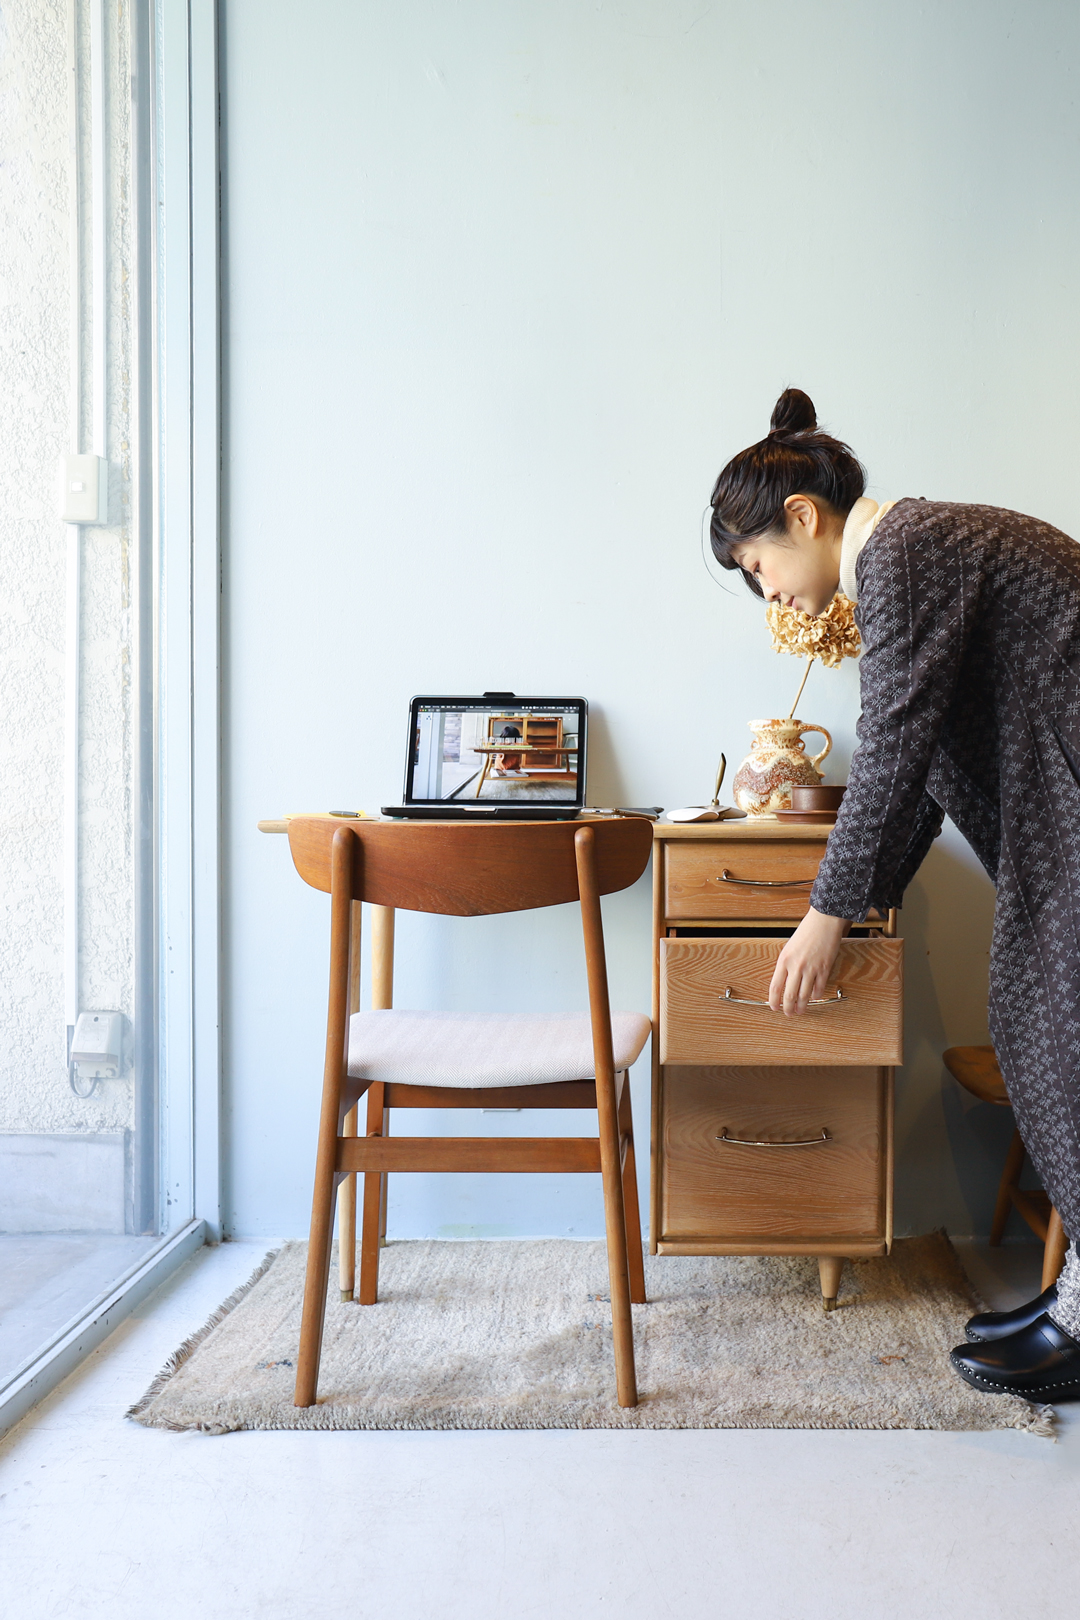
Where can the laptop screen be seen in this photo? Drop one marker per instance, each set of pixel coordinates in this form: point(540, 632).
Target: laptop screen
point(510, 751)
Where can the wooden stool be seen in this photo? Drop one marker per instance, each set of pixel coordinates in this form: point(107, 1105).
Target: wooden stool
point(976, 1068)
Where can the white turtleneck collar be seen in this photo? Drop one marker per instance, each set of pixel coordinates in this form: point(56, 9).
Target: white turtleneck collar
point(862, 520)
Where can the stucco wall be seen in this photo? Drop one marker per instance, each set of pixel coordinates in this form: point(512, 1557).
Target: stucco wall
point(36, 214)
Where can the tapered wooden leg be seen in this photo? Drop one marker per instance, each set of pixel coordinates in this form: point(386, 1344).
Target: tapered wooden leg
point(372, 1212)
point(347, 1222)
point(316, 1282)
point(622, 1324)
point(1010, 1178)
point(347, 1188)
point(829, 1268)
point(634, 1256)
point(607, 1114)
point(373, 1222)
point(330, 1121)
point(1054, 1251)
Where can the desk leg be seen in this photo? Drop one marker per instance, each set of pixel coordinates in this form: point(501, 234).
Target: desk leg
point(347, 1186)
point(830, 1270)
point(373, 1233)
point(483, 774)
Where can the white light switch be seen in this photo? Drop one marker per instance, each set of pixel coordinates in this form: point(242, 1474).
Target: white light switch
point(84, 489)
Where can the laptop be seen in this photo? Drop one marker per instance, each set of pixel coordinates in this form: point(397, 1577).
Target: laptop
point(495, 757)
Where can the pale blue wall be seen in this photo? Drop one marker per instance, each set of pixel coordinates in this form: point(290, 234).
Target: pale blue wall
point(506, 282)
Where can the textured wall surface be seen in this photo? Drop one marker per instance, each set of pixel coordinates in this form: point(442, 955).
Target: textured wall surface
point(36, 221)
point(506, 283)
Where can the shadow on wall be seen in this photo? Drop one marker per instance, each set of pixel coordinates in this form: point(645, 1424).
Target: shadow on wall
point(949, 1155)
point(606, 784)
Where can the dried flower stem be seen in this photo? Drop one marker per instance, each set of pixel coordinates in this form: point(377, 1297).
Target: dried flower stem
point(802, 683)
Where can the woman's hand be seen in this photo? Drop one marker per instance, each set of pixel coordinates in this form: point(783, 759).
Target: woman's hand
point(804, 964)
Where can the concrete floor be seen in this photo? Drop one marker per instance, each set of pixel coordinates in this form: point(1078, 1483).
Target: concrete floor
point(100, 1517)
point(47, 1279)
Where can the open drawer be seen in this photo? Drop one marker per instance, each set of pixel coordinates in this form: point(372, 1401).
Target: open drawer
point(714, 1005)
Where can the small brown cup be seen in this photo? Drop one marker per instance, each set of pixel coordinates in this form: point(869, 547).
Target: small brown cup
point(816, 798)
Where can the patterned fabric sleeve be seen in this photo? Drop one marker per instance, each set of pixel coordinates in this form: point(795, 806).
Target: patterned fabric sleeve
point(917, 591)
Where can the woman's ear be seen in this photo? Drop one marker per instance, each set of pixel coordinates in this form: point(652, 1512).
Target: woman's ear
point(804, 513)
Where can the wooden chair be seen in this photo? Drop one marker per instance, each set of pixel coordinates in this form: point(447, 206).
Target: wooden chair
point(432, 1060)
point(976, 1068)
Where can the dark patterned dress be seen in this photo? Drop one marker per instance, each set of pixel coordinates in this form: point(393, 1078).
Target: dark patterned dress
point(970, 679)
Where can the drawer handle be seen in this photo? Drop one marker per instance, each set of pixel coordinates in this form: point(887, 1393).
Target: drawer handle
point(765, 883)
point(739, 1141)
point(815, 1001)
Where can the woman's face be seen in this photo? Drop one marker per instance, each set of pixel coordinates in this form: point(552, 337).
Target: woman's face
point(801, 568)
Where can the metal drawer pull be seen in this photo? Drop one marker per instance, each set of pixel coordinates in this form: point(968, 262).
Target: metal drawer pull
point(765, 883)
point(739, 1141)
point(815, 1001)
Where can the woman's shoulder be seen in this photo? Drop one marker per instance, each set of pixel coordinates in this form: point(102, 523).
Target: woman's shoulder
point(960, 520)
point(916, 536)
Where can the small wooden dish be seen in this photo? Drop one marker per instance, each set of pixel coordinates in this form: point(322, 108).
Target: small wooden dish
point(826, 796)
point(816, 818)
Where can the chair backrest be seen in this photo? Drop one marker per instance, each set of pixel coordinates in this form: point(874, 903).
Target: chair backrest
point(463, 869)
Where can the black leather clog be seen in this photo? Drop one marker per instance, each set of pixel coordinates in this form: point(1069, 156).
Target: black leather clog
point(1041, 1362)
point(998, 1324)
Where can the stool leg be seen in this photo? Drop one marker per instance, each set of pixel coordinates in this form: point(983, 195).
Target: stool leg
point(1054, 1252)
point(1010, 1177)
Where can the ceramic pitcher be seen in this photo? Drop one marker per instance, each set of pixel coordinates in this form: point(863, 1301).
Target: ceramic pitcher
point(776, 763)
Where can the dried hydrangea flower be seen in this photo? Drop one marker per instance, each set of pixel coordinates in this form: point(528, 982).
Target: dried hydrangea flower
point(829, 637)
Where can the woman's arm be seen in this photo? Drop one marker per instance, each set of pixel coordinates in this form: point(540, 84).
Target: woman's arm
point(918, 590)
point(918, 597)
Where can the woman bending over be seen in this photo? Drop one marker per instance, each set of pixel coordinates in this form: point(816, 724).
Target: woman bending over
point(970, 687)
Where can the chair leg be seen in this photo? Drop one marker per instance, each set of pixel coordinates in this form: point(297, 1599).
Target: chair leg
point(316, 1282)
point(634, 1256)
point(347, 1222)
point(1054, 1251)
point(622, 1323)
point(372, 1220)
point(1010, 1177)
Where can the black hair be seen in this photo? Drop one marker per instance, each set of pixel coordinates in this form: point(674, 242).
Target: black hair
point(793, 459)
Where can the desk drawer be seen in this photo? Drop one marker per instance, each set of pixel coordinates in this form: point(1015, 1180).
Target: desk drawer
point(796, 1188)
point(740, 880)
point(701, 1023)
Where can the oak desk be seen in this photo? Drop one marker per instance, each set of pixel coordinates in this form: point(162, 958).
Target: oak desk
point(770, 1135)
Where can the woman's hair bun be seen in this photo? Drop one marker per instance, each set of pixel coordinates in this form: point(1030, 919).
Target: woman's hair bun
point(793, 413)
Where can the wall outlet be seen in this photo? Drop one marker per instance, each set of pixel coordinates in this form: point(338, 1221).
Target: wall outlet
point(97, 1045)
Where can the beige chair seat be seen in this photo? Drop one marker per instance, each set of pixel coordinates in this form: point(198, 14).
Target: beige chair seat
point(484, 1049)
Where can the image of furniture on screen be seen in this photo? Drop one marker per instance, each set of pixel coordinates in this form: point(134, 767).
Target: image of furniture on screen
point(976, 1069)
point(771, 1135)
point(403, 1059)
point(534, 743)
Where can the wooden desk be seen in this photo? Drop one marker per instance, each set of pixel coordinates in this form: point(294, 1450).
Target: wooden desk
point(770, 1135)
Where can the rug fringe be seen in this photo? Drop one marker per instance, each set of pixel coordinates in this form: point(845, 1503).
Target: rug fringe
point(1043, 1423)
point(189, 1346)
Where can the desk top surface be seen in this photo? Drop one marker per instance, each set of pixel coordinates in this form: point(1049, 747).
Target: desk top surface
point(759, 828)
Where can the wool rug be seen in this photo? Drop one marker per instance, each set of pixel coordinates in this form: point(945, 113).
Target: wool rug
point(517, 1335)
